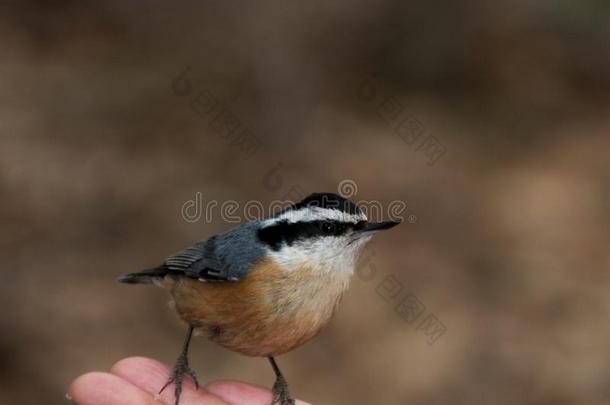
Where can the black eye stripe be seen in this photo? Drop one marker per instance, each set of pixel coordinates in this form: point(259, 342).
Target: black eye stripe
point(284, 231)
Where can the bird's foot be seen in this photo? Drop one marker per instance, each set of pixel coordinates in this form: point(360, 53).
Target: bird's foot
point(281, 395)
point(177, 376)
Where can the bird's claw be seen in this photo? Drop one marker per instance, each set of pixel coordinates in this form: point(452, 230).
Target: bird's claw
point(281, 395)
point(177, 376)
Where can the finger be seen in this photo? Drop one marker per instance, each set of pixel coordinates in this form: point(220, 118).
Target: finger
point(150, 375)
point(106, 389)
point(239, 393)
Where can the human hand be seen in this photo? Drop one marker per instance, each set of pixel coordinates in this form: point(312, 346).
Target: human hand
point(137, 380)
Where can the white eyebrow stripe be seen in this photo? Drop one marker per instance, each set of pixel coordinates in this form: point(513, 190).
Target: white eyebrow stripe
point(316, 213)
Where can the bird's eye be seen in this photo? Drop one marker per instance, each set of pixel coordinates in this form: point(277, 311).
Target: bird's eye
point(328, 228)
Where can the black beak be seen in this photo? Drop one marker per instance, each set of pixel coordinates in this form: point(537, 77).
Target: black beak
point(377, 226)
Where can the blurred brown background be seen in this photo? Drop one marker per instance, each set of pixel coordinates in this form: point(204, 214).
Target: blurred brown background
point(99, 152)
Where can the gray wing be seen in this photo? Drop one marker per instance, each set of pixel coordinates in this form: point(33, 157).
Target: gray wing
point(225, 257)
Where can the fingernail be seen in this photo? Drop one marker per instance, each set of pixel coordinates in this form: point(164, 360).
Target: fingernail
point(68, 397)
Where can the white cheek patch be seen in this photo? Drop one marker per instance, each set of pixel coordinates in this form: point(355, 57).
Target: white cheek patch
point(324, 254)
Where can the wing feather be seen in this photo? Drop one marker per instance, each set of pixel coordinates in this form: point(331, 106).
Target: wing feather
point(225, 257)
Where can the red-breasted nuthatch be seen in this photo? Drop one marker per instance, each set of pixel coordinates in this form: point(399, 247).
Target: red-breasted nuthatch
point(266, 286)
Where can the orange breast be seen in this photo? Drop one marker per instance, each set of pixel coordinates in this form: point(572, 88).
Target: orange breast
point(269, 312)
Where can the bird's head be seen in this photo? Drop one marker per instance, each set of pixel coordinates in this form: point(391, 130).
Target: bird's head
point(324, 231)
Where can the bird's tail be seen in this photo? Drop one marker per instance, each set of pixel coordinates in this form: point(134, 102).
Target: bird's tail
point(149, 276)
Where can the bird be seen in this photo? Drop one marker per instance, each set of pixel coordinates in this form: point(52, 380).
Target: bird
point(265, 287)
